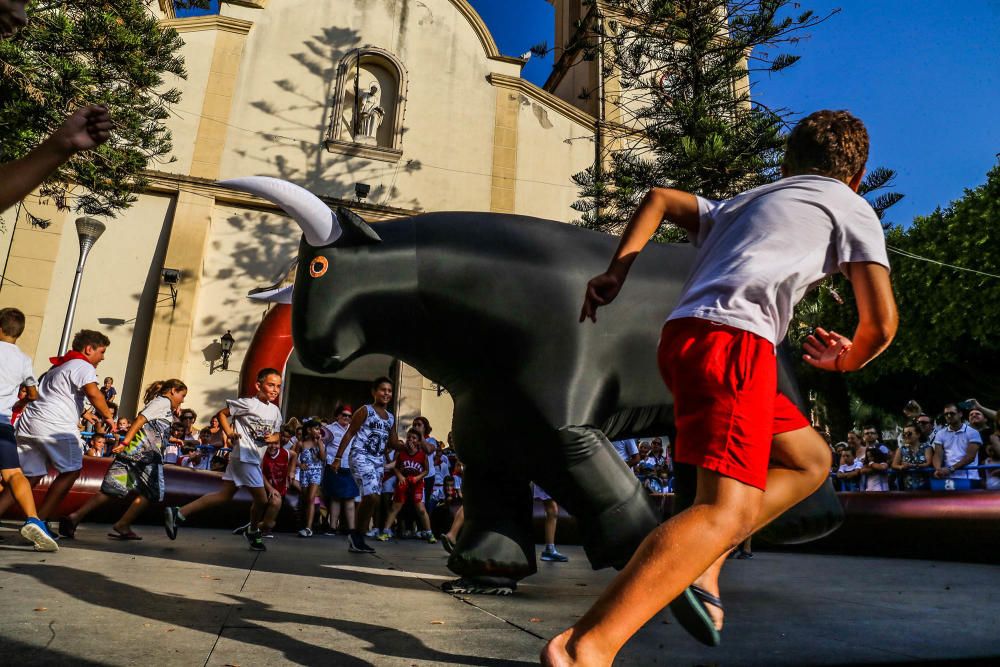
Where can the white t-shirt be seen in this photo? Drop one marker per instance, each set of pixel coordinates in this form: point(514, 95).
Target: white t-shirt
point(336, 434)
point(15, 370)
point(955, 444)
point(159, 415)
point(60, 400)
point(626, 448)
point(253, 420)
point(856, 465)
point(761, 251)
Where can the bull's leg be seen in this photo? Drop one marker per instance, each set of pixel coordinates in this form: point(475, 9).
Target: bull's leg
point(586, 476)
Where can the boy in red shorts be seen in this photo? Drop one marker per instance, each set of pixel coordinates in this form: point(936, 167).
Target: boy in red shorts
point(756, 455)
point(410, 471)
point(277, 466)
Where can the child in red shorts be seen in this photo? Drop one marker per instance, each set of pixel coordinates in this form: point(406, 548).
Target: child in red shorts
point(756, 455)
point(410, 470)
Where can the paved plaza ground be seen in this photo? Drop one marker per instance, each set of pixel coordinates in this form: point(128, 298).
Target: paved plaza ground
point(207, 600)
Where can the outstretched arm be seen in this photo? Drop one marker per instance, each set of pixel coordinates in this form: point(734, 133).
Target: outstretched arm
point(877, 323)
point(680, 208)
point(88, 128)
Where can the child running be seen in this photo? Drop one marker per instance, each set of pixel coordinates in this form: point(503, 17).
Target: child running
point(257, 422)
point(16, 374)
point(138, 464)
point(410, 471)
point(758, 254)
point(371, 430)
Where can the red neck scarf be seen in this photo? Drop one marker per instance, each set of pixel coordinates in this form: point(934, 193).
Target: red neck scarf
point(69, 356)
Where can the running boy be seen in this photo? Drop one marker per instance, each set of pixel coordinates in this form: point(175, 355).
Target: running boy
point(758, 254)
point(138, 463)
point(371, 430)
point(410, 471)
point(47, 431)
point(15, 373)
point(257, 422)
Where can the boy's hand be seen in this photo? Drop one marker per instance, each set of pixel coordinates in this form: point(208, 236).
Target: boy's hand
point(824, 349)
point(601, 290)
point(87, 128)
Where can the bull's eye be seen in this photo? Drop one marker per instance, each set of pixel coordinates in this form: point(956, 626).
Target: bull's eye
point(318, 266)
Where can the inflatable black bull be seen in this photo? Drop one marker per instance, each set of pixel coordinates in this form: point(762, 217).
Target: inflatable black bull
point(487, 306)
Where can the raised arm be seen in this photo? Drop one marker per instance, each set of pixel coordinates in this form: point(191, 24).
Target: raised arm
point(680, 208)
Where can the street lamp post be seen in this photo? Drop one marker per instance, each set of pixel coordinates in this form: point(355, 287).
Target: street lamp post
point(88, 230)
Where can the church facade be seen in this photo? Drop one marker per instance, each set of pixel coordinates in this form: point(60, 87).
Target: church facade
point(388, 107)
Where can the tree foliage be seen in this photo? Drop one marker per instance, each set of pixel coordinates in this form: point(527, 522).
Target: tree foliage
point(683, 67)
point(77, 52)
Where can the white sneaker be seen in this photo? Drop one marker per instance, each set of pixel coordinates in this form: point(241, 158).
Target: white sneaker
point(305, 532)
point(372, 533)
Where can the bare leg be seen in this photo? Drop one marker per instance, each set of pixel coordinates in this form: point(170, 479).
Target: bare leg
point(124, 524)
point(271, 513)
point(551, 517)
point(423, 517)
point(391, 517)
point(456, 524)
point(349, 512)
point(690, 545)
point(310, 505)
point(92, 504)
point(258, 507)
point(19, 489)
point(223, 495)
point(57, 491)
point(333, 514)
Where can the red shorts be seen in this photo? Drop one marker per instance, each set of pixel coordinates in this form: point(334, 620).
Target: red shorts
point(408, 492)
point(726, 400)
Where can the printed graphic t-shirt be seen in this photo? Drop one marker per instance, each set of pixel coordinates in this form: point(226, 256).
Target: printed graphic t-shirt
point(15, 370)
point(253, 420)
point(155, 432)
point(60, 400)
point(412, 465)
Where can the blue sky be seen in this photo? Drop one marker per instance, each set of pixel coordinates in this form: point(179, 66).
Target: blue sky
point(923, 75)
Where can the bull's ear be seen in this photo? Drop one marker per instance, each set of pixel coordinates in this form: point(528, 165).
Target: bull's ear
point(354, 230)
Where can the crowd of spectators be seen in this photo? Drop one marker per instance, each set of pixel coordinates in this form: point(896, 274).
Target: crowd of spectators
point(957, 449)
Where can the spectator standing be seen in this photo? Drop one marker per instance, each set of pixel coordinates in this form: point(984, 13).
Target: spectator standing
point(47, 432)
point(875, 471)
point(256, 422)
point(550, 553)
point(916, 453)
point(311, 462)
point(410, 471)
point(927, 427)
point(17, 387)
point(110, 394)
point(627, 450)
point(993, 458)
point(217, 436)
point(338, 484)
point(370, 432)
point(277, 465)
point(849, 472)
point(199, 459)
point(97, 445)
point(138, 464)
point(955, 447)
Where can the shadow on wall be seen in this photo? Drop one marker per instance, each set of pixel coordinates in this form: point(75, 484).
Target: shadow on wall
point(320, 59)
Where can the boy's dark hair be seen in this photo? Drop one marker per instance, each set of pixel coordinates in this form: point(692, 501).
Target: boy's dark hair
point(448, 478)
point(827, 143)
point(91, 338)
point(11, 322)
point(413, 431)
point(98, 435)
point(263, 373)
point(377, 382)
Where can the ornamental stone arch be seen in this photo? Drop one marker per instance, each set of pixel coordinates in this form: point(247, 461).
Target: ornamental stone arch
point(369, 105)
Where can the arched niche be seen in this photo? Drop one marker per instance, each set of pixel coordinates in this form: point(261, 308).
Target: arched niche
point(368, 105)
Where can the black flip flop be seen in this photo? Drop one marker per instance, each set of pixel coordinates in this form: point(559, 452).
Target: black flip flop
point(118, 535)
point(446, 542)
point(689, 610)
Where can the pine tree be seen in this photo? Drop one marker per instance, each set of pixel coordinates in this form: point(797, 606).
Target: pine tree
point(76, 52)
point(687, 118)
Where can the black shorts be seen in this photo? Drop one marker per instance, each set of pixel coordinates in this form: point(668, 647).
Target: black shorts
point(8, 448)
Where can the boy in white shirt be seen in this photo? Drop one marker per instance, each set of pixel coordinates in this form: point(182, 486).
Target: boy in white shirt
point(47, 431)
point(15, 372)
point(758, 254)
point(257, 421)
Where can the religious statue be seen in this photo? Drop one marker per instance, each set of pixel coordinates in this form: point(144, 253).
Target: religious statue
point(370, 116)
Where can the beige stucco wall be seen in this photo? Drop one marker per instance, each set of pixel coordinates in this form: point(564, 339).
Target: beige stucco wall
point(120, 283)
point(183, 122)
point(246, 249)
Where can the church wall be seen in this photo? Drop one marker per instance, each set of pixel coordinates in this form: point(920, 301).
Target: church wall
point(183, 122)
point(287, 81)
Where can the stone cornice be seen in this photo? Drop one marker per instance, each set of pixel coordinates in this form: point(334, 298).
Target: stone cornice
point(165, 182)
point(255, 4)
point(214, 22)
point(543, 96)
point(485, 37)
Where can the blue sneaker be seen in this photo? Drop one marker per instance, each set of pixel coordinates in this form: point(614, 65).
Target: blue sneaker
point(36, 532)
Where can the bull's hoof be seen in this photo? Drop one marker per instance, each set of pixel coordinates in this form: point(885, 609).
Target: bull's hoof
point(480, 586)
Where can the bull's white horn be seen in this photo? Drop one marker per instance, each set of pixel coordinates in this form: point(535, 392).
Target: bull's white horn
point(319, 224)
